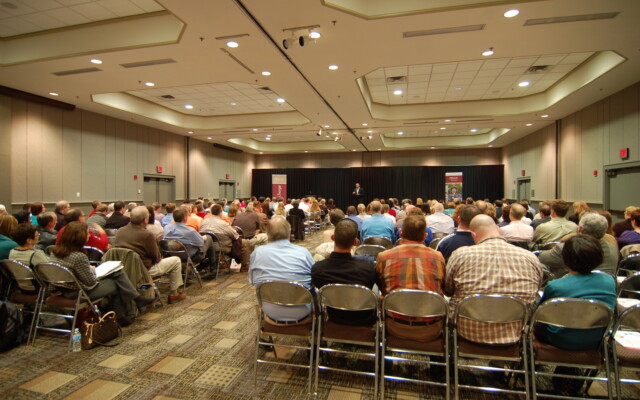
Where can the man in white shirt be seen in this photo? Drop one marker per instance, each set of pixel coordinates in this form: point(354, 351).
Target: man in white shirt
point(517, 229)
point(439, 222)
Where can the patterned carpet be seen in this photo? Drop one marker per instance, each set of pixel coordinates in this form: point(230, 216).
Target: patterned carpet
point(201, 348)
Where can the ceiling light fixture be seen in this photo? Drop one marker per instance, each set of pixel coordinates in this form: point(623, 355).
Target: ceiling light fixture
point(209, 138)
point(353, 149)
point(188, 106)
point(280, 100)
point(443, 128)
point(432, 148)
point(260, 153)
point(529, 124)
point(190, 132)
point(96, 61)
point(255, 129)
point(488, 53)
point(53, 93)
point(233, 103)
point(306, 151)
point(447, 120)
point(524, 83)
point(369, 131)
point(370, 137)
point(232, 44)
point(267, 138)
point(327, 126)
point(365, 124)
point(474, 130)
point(313, 34)
point(319, 132)
point(333, 67)
point(266, 73)
point(400, 133)
point(150, 84)
point(545, 115)
point(398, 92)
point(511, 13)
point(490, 145)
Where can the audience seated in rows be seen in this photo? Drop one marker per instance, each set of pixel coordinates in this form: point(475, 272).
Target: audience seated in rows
point(168, 218)
point(462, 236)
point(117, 220)
point(631, 236)
point(99, 216)
point(200, 249)
point(439, 222)
point(62, 207)
point(558, 227)
point(377, 224)
point(517, 230)
point(46, 227)
point(97, 236)
point(544, 215)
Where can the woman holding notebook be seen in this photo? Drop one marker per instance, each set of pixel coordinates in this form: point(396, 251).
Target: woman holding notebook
point(115, 286)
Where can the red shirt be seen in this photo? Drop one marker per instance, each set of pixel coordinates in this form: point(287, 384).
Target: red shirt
point(100, 241)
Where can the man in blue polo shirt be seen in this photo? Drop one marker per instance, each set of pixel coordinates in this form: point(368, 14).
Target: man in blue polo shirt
point(462, 237)
point(378, 225)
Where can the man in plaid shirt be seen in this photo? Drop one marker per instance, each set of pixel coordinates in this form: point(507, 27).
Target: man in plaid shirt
point(492, 266)
point(411, 265)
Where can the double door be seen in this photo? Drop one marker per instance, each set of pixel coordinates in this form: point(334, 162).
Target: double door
point(160, 189)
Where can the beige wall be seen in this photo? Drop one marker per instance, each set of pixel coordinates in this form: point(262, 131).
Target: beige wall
point(56, 154)
point(590, 139)
point(381, 159)
point(209, 165)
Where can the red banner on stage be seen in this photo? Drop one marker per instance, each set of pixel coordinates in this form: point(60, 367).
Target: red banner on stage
point(279, 186)
point(453, 185)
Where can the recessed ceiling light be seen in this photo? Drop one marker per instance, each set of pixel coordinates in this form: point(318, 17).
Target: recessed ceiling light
point(545, 115)
point(443, 128)
point(232, 44)
point(333, 67)
point(490, 145)
point(233, 103)
point(280, 100)
point(524, 83)
point(306, 151)
point(267, 138)
point(369, 131)
point(188, 106)
point(457, 88)
point(314, 35)
point(365, 124)
point(255, 129)
point(447, 120)
point(529, 124)
point(398, 92)
point(190, 132)
point(150, 84)
point(474, 130)
point(401, 133)
point(327, 126)
point(488, 53)
point(432, 148)
point(209, 138)
point(96, 61)
point(334, 133)
point(511, 13)
point(370, 137)
point(353, 149)
point(53, 93)
point(269, 135)
point(260, 153)
point(266, 73)
point(379, 149)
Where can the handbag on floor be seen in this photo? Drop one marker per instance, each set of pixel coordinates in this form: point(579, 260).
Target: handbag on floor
point(100, 330)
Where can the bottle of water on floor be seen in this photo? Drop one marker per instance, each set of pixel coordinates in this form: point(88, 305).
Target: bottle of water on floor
point(76, 345)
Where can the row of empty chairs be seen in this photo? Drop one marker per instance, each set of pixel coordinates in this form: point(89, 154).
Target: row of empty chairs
point(522, 362)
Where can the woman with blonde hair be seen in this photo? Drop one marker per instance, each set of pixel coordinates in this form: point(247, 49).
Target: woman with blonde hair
point(280, 210)
point(578, 208)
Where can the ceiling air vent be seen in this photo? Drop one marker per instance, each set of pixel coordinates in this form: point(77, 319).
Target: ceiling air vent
point(475, 120)
point(534, 69)
point(570, 18)
point(77, 71)
point(442, 31)
point(168, 97)
point(148, 63)
point(420, 122)
point(238, 131)
point(265, 88)
point(396, 79)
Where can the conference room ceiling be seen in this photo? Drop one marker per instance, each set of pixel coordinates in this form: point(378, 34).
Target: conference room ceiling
point(382, 75)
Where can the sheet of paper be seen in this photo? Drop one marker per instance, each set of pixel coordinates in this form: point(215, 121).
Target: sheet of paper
point(107, 267)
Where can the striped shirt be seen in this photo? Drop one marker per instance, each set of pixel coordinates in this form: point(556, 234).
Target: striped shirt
point(492, 267)
point(410, 266)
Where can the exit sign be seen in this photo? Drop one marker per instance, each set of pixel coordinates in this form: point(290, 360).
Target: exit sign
point(159, 169)
point(624, 153)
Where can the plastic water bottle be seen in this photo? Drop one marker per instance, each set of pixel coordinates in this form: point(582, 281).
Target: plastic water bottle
point(76, 345)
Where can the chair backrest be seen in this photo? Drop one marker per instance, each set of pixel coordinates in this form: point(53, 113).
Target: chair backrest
point(549, 245)
point(630, 287)
point(629, 264)
point(492, 308)
point(523, 244)
point(239, 230)
point(347, 297)
point(629, 249)
point(55, 273)
point(379, 240)
point(283, 293)
point(111, 232)
point(547, 277)
point(49, 249)
point(18, 270)
point(213, 236)
point(369, 250)
point(573, 313)
point(94, 254)
point(415, 303)
point(629, 319)
point(434, 243)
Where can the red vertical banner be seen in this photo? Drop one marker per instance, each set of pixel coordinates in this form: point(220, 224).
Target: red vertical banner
point(453, 185)
point(279, 186)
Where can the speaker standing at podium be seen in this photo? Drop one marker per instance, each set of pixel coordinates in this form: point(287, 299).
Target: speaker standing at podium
point(358, 194)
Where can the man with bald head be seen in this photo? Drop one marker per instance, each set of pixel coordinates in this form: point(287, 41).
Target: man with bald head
point(492, 266)
point(377, 225)
point(517, 230)
point(440, 223)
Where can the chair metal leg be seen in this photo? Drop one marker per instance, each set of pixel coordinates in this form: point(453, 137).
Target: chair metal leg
point(455, 367)
point(534, 394)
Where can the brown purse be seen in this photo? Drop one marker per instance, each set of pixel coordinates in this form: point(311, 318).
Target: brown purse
point(100, 330)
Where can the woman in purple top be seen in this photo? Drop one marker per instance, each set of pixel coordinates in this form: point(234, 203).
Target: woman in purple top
point(632, 236)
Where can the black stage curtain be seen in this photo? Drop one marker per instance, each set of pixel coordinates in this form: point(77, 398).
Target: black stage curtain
point(479, 182)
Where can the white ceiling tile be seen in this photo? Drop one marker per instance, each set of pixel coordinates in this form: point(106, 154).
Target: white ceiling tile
point(395, 71)
point(444, 67)
point(93, 11)
point(550, 60)
point(439, 84)
point(512, 71)
point(490, 73)
point(576, 58)
point(420, 69)
point(441, 76)
point(148, 5)
point(122, 8)
point(521, 62)
point(42, 21)
point(469, 66)
point(418, 78)
point(22, 8)
point(378, 73)
point(41, 5)
point(6, 31)
point(495, 64)
point(376, 82)
point(68, 16)
point(464, 74)
point(483, 80)
point(562, 68)
point(19, 25)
